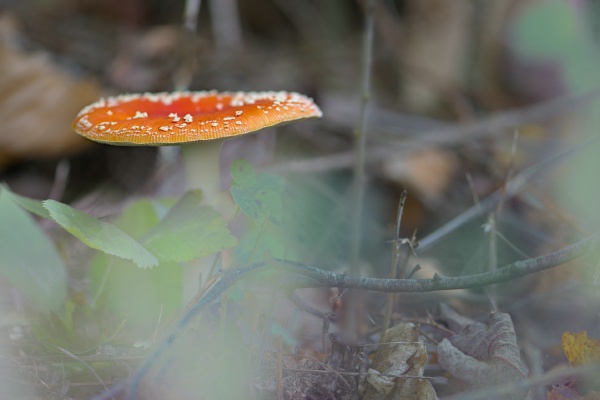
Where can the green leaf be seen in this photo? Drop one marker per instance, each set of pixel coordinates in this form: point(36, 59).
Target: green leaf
point(99, 235)
point(138, 218)
point(188, 231)
point(242, 173)
point(139, 296)
point(32, 205)
point(257, 195)
point(28, 258)
point(552, 32)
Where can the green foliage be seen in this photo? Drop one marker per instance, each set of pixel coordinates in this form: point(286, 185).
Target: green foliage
point(33, 206)
point(562, 33)
point(99, 235)
point(257, 195)
point(552, 31)
point(28, 258)
point(188, 231)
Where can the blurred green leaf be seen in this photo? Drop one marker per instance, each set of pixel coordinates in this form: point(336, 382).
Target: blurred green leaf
point(141, 297)
point(188, 231)
point(32, 205)
point(547, 30)
point(99, 235)
point(28, 258)
point(257, 195)
point(139, 218)
point(242, 173)
point(553, 32)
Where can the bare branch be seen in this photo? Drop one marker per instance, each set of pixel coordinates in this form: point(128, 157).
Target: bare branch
point(506, 273)
point(321, 278)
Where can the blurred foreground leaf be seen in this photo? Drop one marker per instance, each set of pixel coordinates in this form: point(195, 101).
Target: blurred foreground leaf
point(257, 195)
point(99, 235)
point(141, 297)
point(188, 231)
point(29, 260)
point(32, 205)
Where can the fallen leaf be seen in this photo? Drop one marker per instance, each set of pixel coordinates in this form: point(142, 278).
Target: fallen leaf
point(401, 353)
point(482, 355)
point(580, 349)
point(38, 101)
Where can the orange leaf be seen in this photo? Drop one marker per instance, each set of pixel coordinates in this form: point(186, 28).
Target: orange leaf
point(580, 349)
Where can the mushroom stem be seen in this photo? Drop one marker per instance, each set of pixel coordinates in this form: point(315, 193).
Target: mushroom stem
point(202, 169)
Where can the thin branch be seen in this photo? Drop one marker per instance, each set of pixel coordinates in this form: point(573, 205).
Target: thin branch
point(360, 144)
point(322, 278)
point(361, 136)
point(511, 189)
point(395, 258)
point(381, 124)
point(437, 283)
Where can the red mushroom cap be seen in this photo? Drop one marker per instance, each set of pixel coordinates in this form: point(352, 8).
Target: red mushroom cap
point(180, 117)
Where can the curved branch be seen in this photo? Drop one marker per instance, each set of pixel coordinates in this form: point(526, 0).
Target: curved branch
point(317, 277)
point(515, 270)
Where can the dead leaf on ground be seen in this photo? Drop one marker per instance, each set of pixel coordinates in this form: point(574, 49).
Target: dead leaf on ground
point(580, 349)
point(482, 355)
point(401, 353)
point(38, 102)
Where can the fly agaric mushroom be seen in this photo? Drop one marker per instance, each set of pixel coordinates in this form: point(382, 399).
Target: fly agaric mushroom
point(157, 119)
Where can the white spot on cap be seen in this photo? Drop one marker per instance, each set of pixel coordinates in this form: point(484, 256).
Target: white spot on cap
point(188, 118)
point(139, 114)
point(238, 113)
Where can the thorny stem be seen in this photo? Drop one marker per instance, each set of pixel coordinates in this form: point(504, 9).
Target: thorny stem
point(322, 278)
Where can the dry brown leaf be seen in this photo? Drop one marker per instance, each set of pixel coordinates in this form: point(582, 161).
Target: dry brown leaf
point(482, 355)
point(429, 172)
point(38, 102)
point(580, 349)
point(401, 352)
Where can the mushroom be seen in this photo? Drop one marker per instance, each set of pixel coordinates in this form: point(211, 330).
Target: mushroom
point(157, 119)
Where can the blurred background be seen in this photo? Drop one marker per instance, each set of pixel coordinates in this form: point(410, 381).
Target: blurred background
point(466, 95)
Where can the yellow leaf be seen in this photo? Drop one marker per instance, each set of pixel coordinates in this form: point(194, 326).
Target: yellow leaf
point(580, 349)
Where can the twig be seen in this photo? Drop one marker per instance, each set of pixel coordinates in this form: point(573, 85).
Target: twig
point(512, 188)
point(279, 368)
point(85, 364)
point(447, 134)
point(190, 14)
point(395, 257)
point(359, 163)
point(361, 137)
point(323, 278)
point(509, 272)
